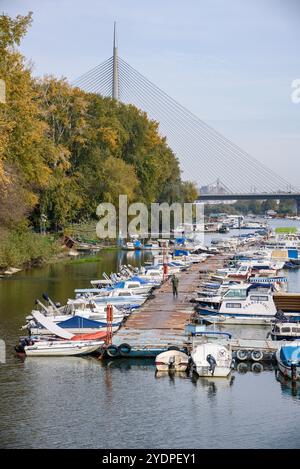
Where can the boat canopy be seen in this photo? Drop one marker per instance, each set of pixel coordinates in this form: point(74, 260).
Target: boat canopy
point(268, 280)
point(79, 322)
point(290, 354)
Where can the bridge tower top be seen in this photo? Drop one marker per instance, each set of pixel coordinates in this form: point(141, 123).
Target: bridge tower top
point(115, 81)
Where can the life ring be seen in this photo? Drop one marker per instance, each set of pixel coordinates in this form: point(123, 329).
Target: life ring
point(242, 355)
point(124, 349)
point(257, 355)
point(222, 353)
point(112, 351)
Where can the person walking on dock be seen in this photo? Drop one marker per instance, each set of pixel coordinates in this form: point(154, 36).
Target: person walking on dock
point(174, 281)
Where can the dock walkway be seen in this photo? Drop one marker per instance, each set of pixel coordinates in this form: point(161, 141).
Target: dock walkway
point(161, 321)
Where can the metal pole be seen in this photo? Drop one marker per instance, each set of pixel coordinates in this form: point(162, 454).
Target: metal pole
point(115, 81)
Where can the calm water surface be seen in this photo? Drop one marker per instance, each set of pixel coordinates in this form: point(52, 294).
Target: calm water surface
point(81, 402)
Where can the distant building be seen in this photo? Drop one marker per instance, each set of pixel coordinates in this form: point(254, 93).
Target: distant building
point(216, 188)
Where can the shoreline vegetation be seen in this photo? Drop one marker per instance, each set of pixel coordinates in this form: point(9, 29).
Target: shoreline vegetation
point(64, 151)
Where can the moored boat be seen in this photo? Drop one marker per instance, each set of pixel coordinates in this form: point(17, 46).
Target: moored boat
point(212, 359)
point(172, 360)
point(288, 360)
point(64, 348)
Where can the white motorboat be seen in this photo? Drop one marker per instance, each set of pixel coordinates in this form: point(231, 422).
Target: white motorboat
point(117, 297)
point(253, 304)
point(212, 359)
point(172, 360)
point(61, 348)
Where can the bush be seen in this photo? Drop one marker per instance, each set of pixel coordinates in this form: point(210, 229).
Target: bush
point(21, 247)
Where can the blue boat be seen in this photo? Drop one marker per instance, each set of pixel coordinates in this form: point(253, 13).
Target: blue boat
point(288, 359)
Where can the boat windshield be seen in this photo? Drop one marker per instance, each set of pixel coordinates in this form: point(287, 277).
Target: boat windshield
point(236, 293)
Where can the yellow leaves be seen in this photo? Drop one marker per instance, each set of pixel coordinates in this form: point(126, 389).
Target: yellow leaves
point(119, 178)
point(109, 136)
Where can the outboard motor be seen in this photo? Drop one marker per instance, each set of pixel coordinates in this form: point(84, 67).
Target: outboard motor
point(280, 316)
point(212, 363)
point(294, 372)
point(171, 362)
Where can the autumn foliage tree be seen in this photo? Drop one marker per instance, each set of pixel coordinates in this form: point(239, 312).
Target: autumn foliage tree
point(63, 151)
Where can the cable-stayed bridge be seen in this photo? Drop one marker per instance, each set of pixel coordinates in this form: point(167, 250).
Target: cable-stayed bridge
point(204, 154)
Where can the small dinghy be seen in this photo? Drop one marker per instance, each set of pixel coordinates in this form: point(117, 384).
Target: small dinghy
point(212, 359)
point(288, 360)
point(172, 360)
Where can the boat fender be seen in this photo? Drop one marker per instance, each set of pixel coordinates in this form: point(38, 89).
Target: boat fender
point(242, 355)
point(257, 355)
point(124, 349)
point(112, 351)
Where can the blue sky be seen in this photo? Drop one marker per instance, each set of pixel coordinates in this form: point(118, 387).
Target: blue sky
point(231, 62)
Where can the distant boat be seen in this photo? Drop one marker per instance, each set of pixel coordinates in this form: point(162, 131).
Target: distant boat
point(212, 359)
point(288, 360)
point(172, 360)
point(285, 331)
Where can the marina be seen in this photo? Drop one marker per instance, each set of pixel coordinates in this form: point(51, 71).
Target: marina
point(176, 303)
point(162, 325)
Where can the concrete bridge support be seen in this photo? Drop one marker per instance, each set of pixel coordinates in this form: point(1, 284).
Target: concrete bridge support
point(297, 203)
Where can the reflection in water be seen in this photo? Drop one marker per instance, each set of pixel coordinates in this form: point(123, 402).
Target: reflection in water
point(171, 375)
point(254, 367)
point(288, 387)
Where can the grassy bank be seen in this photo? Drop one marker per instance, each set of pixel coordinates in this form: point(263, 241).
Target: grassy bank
point(24, 248)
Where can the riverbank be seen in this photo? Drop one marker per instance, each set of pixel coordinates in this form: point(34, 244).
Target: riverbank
point(23, 249)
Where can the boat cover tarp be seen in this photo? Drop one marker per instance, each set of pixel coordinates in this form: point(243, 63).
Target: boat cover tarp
point(293, 253)
point(79, 322)
point(48, 324)
point(93, 336)
point(142, 281)
point(290, 354)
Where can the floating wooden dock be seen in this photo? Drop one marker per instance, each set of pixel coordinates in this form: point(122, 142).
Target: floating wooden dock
point(160, 322)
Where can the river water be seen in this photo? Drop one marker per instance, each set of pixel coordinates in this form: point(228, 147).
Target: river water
point(84, 403)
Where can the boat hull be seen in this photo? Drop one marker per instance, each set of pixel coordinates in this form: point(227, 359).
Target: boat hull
point(55, 349)
point(72, 330)
point(219, 372)
point(286, 370)
point(172, 360)
point(236, 320)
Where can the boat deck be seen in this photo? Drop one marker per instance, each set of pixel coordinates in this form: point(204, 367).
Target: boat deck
point(161, 321)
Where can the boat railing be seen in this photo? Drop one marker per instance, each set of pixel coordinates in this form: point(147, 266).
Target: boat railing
point(226, 334)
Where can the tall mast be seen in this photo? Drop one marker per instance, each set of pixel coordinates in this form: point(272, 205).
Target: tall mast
point(115, 82)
